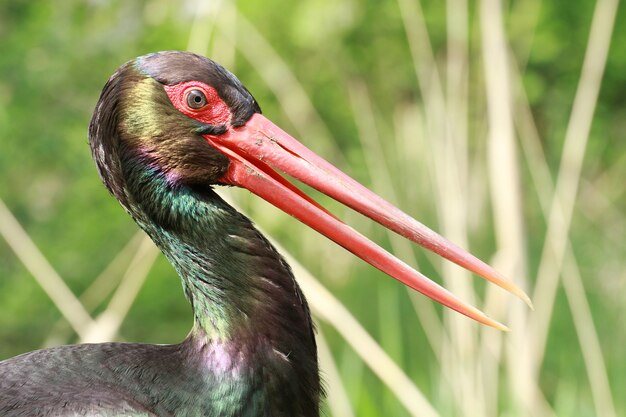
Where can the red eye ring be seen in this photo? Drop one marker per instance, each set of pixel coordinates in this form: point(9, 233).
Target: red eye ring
point(212, 110)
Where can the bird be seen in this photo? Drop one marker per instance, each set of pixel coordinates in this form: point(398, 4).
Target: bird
point(169, 127)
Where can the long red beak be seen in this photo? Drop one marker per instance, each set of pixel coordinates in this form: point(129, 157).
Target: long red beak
point(259, 146)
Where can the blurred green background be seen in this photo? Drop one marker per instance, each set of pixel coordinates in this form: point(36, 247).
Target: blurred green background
point(499, 124)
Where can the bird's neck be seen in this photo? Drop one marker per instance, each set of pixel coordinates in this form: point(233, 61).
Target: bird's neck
point(245, 300)
point(232, 276)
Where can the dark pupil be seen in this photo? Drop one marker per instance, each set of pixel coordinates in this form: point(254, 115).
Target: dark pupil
point(196, 99)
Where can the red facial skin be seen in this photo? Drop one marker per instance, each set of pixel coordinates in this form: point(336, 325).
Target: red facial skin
point(215, 112)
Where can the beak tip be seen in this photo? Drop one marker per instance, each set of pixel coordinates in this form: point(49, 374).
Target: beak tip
point(479, 316)
point(524, 297)
point(497, 325)
point(528, 301)
point(519, 293)
point(494, 323)
point(504, 329)
point(509, 286)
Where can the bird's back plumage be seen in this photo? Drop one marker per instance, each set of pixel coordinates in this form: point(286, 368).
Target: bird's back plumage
point(128, 379)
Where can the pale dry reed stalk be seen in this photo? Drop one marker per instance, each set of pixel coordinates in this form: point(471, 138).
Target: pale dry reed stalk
point(100, 289)
point(108, 323)
point(45, 275)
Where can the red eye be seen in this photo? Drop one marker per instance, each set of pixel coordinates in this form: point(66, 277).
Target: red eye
point(200, 102)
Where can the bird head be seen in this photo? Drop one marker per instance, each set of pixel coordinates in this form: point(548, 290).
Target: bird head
point(190, 121)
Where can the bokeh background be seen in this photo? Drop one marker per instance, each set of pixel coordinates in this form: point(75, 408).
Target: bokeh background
point(500, 124)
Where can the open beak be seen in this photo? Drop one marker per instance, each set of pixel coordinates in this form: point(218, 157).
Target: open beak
point(259, 147)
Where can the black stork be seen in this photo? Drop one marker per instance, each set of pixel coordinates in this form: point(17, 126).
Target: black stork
point(167, 128)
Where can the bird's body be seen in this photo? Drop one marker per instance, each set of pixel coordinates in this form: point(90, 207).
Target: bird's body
point(124, 379)
point(167, 128)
